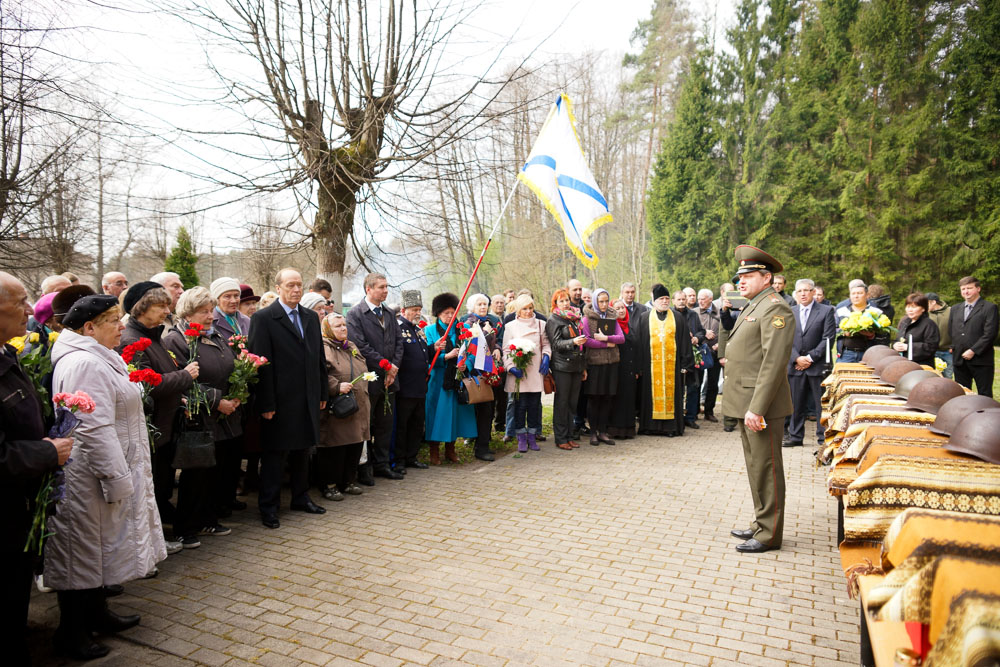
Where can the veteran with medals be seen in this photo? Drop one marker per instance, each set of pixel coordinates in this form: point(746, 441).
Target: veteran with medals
point(666, 360)
point(756, 392)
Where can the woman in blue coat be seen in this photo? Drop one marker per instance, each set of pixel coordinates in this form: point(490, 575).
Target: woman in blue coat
point(446, 420)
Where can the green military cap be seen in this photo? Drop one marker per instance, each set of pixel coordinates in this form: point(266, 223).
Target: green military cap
point(754, 259)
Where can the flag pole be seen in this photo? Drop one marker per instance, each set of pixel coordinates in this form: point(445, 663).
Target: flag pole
point(468, 285)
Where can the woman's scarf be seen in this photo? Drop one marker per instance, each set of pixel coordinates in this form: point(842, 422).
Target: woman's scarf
point(593, 301)
point(624, 323)
point(328, 333)
point(571, 313)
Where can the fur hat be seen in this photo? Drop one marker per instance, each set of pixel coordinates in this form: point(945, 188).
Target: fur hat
point(411, 299)
point(443, 302)
point(64, 299)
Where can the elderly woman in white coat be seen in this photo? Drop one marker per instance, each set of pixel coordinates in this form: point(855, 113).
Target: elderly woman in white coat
point(527, 384)
point(106, 529)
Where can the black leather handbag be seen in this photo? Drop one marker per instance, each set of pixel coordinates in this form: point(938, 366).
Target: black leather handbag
point(344, 405)
point(195, 447)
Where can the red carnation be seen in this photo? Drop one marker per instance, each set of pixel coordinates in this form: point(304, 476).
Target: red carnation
point(519, 353)
point(128, 353)
point(512, 348)
point(141, 344)
point(422, 323)
point(385, 365)
point(147, 375)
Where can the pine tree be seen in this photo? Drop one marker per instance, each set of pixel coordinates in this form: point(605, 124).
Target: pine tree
point(182, 259)
point(686, 212)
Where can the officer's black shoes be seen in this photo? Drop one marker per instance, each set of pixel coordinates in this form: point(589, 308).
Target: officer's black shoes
point(743, 534)
point(791, 443)
point(485, 455)
point(690, 423)
point(752, 546)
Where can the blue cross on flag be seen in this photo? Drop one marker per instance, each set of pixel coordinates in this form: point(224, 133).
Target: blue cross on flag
point(557, 172)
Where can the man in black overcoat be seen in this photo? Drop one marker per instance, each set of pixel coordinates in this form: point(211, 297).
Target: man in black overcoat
point(25, 456)
point(808, 357)
point(973, 328)
point(374, 329)
point(290, 394)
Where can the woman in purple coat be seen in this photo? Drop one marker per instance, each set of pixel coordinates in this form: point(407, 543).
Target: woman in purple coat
point(600, 326)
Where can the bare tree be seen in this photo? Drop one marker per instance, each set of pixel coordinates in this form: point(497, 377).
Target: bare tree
point(353, 93)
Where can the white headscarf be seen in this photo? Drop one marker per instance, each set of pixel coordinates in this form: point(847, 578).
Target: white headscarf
point(593, 303)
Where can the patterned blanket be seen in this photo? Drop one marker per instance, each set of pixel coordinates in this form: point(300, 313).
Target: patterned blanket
point(894, 483)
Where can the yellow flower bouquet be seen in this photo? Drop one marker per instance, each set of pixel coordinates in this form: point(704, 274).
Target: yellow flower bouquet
point(867, 323)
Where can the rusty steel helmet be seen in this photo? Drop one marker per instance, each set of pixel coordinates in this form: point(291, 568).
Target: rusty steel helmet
point(896, 368)
point(911, 380)
point(930, 394)
point(978, 435)
point(876, 352)
point(880, 364)
point(956, 409)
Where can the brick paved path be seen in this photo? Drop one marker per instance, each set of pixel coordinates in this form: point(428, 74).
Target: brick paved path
point(600, 556)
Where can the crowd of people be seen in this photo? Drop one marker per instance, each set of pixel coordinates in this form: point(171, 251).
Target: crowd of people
point(337, 400)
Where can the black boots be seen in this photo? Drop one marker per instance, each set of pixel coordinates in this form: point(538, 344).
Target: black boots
point(83, 612)
point(73, 637)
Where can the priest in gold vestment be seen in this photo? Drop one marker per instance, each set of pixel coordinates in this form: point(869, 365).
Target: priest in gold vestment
point(666, 362)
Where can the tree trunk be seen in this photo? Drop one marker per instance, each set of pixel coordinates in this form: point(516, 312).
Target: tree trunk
point(332, 228)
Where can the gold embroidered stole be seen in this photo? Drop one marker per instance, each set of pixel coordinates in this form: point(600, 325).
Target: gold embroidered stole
point(662, 354)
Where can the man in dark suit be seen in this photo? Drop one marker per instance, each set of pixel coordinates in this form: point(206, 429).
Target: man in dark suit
point(290, 394)
point(973, 328)
point(633, 307)
point(693, 395)
point(815, 327)
point(374, 329)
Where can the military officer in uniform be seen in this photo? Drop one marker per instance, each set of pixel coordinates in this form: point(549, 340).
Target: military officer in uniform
point(757, 393)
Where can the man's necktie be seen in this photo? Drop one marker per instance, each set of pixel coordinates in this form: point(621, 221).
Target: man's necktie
point(805, 318)
point(293, 314)
point(378, 313)
point(968, 310)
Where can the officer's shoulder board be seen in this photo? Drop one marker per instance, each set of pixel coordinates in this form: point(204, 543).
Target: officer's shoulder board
point(775, 298)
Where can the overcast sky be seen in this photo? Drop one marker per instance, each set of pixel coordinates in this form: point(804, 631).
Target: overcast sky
point(157, 65)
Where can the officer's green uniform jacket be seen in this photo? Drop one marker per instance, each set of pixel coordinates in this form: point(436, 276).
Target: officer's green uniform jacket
point(757, 355)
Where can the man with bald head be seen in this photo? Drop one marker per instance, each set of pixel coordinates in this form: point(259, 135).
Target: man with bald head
point(575, 289)
point(55, 283)
point(25, 456)
point(291, 393)
point(114, 283)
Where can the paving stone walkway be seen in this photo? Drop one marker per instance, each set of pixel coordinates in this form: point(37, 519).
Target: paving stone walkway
point(599, 556)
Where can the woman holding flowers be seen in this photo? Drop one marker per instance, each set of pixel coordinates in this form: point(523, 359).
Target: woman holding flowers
point(490, 325)
point(203, 492)
point(444, 418)
point(526, 358)
point(148, 305)
point(340, 439)
point(106, 530)
point(918, 335)
point(569, 365)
